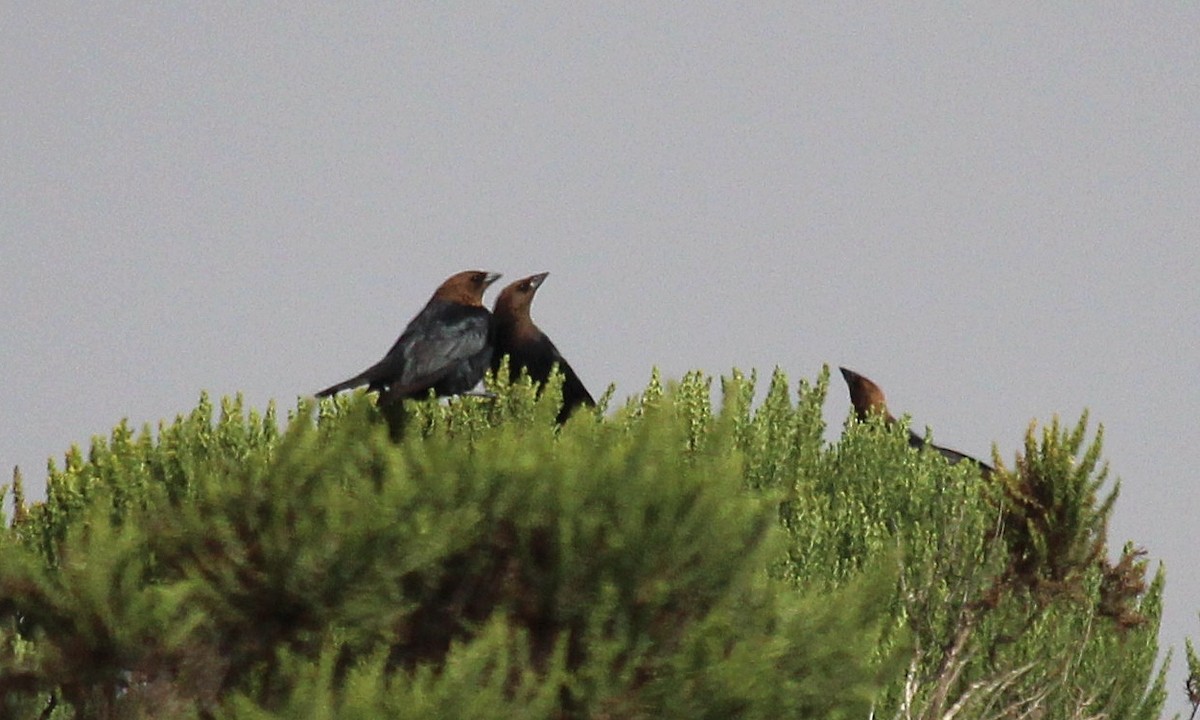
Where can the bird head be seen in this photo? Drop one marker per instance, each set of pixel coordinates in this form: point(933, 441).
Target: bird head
point(466, 287)
point(514, 300)
point(865, 396)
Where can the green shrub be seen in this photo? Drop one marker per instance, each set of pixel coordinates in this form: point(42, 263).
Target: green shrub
point(674, 557)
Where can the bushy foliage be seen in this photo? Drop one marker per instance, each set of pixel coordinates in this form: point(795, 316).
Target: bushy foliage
point(674, 557)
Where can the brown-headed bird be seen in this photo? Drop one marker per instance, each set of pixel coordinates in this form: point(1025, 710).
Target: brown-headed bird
point(447, 347)
point(528, 348)
point(868, 398)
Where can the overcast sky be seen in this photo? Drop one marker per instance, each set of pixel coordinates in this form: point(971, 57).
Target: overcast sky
point(992, 212)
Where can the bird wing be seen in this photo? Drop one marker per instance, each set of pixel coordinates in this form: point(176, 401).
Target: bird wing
point(435, 343)
point(537, 354)
point(440, 336)
point(573, 390)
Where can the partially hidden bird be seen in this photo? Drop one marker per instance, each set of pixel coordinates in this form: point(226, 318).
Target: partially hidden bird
point(868, 398)
point(530, 349)
point(446, 347)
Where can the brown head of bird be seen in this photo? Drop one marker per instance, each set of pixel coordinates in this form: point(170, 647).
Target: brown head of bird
point(466, 287)
point(865, 396)
point(512, 304)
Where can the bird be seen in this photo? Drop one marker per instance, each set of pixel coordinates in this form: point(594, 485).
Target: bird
point(867, 399)
point(528, 348)
point(446, 347)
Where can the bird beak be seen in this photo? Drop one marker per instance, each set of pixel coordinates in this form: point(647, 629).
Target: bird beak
point(847, 374)
point(490, 278)
point(537, 280)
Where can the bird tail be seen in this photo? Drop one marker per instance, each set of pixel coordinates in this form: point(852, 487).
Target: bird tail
point(353, 382)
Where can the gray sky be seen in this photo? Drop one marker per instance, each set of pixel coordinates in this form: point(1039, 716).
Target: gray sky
point(992, 212)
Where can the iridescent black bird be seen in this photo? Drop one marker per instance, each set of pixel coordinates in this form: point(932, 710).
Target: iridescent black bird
point(447, 347)
point(529, 348)
point(868, 398)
